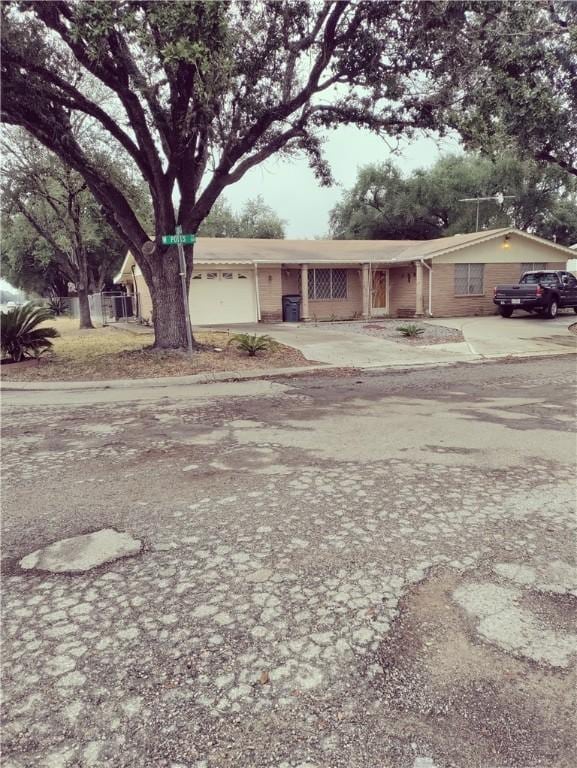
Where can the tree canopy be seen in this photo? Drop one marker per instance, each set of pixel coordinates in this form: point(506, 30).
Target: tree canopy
point(199, 93)
point(510, 80)
point(255, 220)
point(384, 204)
point(53, 229)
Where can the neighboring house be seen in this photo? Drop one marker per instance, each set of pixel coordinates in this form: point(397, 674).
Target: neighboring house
point(243, 281)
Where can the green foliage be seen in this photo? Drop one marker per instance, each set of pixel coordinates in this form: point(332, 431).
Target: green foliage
point(253, 343)
point(57, 306)
point(514, 74)
point(21, 335)
point(53, 230)
point(410, 330)
point(256, 220)
point(383, 204)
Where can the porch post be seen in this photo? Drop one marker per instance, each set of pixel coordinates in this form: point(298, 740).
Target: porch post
point(419, 305)
point(387, 292)
point(305, 292)
point(366, 291)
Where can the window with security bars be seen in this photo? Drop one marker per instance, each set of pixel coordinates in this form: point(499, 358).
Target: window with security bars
point(533, 266)
point(469, 279)
point(327, 283)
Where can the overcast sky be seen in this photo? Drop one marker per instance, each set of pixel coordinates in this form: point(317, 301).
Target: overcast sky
point(290, 188)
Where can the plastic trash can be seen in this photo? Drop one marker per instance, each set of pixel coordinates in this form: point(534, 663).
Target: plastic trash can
point(291, 308)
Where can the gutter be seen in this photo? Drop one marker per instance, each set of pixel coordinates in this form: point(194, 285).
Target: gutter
point(424, 263)
point(135, 284)
point(257, 292)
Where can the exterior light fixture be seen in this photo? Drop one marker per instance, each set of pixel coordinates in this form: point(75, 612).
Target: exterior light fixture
point(506, 243)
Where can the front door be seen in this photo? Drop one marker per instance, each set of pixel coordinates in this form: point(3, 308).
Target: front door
point(379, 302)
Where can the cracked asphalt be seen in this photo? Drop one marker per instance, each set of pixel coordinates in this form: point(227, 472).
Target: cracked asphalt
point(357, 571)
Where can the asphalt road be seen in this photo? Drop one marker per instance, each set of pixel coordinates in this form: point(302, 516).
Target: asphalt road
point(371, 571)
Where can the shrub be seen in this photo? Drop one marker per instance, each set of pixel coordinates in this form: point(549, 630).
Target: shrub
point(410, 330)
point(252, 343)
point(57, 305)
point(21, 336)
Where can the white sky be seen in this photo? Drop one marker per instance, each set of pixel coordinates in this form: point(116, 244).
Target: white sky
point(291, 189)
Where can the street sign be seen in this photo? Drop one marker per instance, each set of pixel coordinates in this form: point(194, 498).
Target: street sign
point(178, 239)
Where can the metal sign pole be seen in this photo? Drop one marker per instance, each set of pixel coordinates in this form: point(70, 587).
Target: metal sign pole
point(184, 290)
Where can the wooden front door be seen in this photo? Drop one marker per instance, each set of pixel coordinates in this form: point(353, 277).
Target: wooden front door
point(379, 290)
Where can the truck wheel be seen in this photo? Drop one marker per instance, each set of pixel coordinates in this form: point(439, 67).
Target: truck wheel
point(575, 310)
point(505, 311)
point(552, 309)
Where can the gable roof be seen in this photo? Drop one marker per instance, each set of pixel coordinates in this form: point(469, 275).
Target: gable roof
point(228, 250)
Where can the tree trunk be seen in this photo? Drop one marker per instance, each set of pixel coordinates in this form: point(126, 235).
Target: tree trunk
point(168, 312)
point(84, 309)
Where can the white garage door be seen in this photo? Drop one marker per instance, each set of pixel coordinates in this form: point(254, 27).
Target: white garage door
point(222, 296)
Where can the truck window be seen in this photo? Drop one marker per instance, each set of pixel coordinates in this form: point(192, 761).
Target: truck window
point(540, 278)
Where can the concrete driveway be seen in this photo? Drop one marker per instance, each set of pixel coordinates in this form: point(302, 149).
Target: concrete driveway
point(484, 337)
point(524, 334)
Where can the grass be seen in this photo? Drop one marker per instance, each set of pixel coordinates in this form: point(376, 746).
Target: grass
point(110, 353)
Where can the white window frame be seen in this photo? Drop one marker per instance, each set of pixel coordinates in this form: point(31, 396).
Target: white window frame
point(331, 270)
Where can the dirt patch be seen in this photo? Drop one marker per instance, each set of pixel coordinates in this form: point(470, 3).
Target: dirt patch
point(108, 353)
point(472, 705)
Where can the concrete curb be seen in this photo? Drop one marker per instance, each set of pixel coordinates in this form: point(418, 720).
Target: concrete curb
point(164, 381)
point(266, 373)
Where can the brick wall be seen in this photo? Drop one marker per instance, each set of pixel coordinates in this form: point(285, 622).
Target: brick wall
point(270, 294)
point(403, 291)
point(446, 304)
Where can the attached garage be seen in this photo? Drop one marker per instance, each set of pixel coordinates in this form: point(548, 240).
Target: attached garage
point(222, 296)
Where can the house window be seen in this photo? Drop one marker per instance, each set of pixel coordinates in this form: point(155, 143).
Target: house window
point(533, 266)
point(198, 276)
point(212, 275)
point(241, 276)
point(327, 283)
point(469, 279)
point(227, 275)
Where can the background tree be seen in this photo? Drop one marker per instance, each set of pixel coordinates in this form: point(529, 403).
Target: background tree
point(425, 204)
point(49, 210)
point(513, 80)
point(203, 92)
point(256, 219)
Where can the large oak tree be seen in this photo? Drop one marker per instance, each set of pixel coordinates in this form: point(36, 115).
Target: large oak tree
point(203, 92)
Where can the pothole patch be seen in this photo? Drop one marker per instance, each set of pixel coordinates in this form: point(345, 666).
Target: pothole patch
point(472, 701)
point(82, 553)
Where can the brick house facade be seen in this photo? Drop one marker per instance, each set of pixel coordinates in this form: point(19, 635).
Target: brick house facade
point(245, 280)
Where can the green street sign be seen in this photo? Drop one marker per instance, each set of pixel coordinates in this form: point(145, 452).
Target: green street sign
point(178, 239)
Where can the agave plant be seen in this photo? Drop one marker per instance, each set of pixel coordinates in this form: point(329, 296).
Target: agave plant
point(21, 336)
point(410, 330)
point(252, 343)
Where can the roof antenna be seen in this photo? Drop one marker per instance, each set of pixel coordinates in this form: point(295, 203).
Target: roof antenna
point(499, 198)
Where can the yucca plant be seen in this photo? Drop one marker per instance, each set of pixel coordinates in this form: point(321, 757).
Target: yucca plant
point(57, 305)
point(410, 330)
point(252, 343)
point(20, 335)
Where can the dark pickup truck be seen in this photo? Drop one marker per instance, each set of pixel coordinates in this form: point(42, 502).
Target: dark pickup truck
point(545, 292)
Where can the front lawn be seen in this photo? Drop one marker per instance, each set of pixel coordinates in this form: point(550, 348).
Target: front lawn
point(110, 353)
